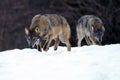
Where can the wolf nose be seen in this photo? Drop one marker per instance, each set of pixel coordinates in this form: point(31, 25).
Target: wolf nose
point(31, 47)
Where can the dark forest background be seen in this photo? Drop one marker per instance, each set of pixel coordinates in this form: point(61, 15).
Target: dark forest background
point(15, 15)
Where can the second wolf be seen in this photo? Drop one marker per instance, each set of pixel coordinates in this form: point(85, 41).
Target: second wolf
point(51, 27)
point(91, 28)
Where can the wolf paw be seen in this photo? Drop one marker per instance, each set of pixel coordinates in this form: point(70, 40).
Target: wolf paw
point(46, 49)
point(55, 48)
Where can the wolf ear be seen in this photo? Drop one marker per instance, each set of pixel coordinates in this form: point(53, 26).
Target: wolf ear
point(26, 31)
point(91, 21)
point(37, 29)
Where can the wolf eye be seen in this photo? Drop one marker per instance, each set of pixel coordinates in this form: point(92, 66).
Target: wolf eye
point(37, 29)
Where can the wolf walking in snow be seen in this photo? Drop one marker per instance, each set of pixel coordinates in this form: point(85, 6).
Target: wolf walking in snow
point(91, 28)
point(49, 27)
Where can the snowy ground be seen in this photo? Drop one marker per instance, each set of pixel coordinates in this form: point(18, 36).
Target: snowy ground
point(85, 63)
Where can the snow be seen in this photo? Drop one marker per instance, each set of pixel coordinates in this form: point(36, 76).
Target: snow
point(82, 63)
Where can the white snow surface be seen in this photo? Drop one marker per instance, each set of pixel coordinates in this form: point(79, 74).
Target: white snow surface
point(82, 63)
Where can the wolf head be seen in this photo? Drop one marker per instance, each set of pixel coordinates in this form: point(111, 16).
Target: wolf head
point(98, 32)
point(32, 38)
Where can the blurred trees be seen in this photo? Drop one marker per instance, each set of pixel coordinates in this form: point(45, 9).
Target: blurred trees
point(17, 14)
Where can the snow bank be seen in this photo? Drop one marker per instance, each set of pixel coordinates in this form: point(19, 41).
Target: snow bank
point(82, 63)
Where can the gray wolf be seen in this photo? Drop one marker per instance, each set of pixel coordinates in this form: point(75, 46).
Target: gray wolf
point(91, 28)
point(51, 27)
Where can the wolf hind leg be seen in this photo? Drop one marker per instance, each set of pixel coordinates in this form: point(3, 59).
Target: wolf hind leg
point(67, 42)
point(65, 38)
point(68, 45)
point(79, 43)
point(80, 34)
point(79, 38)
point(57, 41)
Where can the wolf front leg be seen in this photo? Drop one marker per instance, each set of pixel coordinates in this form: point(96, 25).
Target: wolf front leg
point(39, 47)
point(88, 41)
point(92, 40)
point(46, 48)
point(45, 44)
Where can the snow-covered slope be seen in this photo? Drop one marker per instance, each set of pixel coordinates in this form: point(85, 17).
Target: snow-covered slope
point(82, 63)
